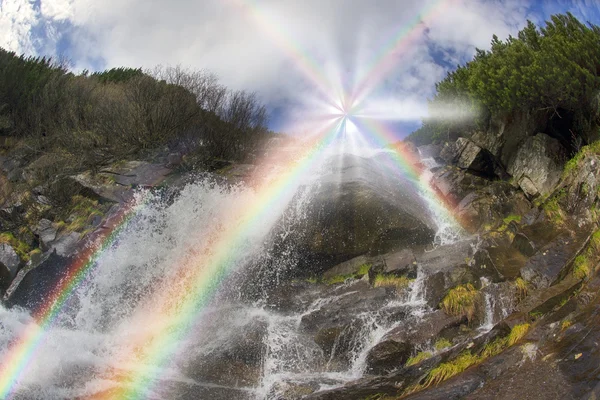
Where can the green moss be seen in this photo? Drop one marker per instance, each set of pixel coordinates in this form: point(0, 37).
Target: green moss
point(573, 163)
point(442, 343)
point(553, 209)
point(21, 248)
point(511, 218)
point(312, 279)
point(399, 282)
point(420, 356)
point(460, 301)
point(581, 267)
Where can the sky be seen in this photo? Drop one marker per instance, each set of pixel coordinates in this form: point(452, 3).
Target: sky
point(301, 57)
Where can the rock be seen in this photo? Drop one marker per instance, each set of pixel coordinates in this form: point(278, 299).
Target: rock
point(38, 283)
point(5, 278)
point(455, 184)
point(538, 164)
point(522, 243)
point(347, 267)
point(402, 262)
point(66, 245)
point(544, 300)
point(485, 206)
point(450, 152)
point(174, 160)
point(9, 258)
point(357, 297)
point(545, 268)
point(492, 142)
point(387, 356)
point(116, 182)
point(360, 208)
point(474, 158)
point(46, 232)
point(420, 330)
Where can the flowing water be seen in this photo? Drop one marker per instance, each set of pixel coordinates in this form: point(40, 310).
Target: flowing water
point(240, 346)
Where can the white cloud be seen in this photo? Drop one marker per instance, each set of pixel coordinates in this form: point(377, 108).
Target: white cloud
point(266, 45)
point(17, 19)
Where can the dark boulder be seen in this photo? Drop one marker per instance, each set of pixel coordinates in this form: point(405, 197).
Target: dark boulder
point(358, 208)
point(387, 356)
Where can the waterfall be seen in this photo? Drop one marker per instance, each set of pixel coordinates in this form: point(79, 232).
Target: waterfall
point(80, 352)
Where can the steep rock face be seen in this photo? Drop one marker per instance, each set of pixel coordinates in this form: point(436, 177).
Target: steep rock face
point(364, 205)
point(9, 258)
point(537, 165)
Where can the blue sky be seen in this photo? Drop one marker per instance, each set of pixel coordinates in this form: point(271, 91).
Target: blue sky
point(265, 45)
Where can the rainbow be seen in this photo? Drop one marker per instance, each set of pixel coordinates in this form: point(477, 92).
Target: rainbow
point(21, 352)
point(174, 313)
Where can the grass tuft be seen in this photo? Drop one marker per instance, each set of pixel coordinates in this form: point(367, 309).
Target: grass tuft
point(420, 356)
point(449, 369)
point(363, 269)
point(517, 333)
point(522, 288)
point(399, 282)
point(460, 301)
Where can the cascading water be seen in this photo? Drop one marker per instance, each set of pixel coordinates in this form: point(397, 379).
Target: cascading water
point(79, 352)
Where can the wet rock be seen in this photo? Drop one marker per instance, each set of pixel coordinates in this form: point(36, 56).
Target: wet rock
point(420, 330)
point(357, 297)
point(402, 262)
point(387, 356)
point(544, 300)
point(37, 283)
point(347, 267)
point(9, 258)
point(360, 208)
point(455, 184)
point(544, 268)
point(507, 261)
point(537, 165)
